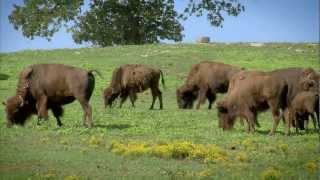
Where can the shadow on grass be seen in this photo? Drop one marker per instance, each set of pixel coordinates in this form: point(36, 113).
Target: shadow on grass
point(266, 132)
point(292, 133)
point(4, 76)
point(113, 126)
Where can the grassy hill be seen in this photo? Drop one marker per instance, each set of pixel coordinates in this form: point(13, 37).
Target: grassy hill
point(137, 143)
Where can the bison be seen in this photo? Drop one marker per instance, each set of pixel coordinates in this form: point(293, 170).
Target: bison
point(253, 92)
point(205, 79)
point(305, 104)
point(130, 79)
point(50, 86)
point(250, 93)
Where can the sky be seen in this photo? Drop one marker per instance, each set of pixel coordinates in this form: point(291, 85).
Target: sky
point(263, 21)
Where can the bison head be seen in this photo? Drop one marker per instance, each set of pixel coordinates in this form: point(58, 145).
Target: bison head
point(226, 114)
point(186, 97)
point(309, 85)
point(109, 95)
point(17, 111)
point(310, 81)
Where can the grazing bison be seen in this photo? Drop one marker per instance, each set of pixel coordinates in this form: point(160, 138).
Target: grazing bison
point(130, 79)
point(252, 92)
point(49, 86)
point(305, 104)
point(294, 78)
point(204, 81)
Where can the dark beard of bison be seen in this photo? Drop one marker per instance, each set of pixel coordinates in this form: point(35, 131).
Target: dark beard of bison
point(185, 103)
point(226, 121)
point(186, 99)
point(110, 96)
point(18, 111)
point(226, 118)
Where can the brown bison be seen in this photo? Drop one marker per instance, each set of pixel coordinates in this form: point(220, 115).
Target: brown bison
point(252, 92)
point(204, 81)
point(130, 79)
point(49, 86)
point(305, 104)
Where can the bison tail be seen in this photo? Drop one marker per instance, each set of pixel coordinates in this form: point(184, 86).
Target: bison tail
point(90, 85)
point(96, 71)
point(162, 79)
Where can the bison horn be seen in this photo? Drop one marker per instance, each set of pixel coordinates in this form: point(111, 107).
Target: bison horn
point(4, 103)
point(21, 99)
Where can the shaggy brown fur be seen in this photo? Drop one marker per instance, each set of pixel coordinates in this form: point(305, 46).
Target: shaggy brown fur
point(204, 81)
point(252, 92)
point(305, 104)
point(130, 79)
point(49, 86)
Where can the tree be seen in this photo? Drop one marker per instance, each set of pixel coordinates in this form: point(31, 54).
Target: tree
point(132, 22)
point(113, 22)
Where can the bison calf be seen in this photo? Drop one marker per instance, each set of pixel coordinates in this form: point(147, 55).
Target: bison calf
point(304, 104)
point(130, 79)
point(49, 86)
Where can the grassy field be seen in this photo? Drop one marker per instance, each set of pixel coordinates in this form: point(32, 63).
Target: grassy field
point(137, 143)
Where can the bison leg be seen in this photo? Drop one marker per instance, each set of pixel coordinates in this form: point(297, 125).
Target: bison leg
point(211, 98)
point(295, 120)
point(314, 121)
point(153, 99)
point(57, 112)
point(123, 97)
point(248, 126)
point(160, 99)
point(287, 121)
point(276, 119)
point(133, 98)
point(251, 119)
point(87, 119)
point(42, 108)
point(318, 120)
point(202, 96)
point(155, 91)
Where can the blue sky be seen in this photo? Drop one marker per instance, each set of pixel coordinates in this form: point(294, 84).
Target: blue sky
point(263, 21)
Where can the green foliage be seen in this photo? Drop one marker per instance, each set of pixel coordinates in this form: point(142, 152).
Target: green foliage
point(115, 22)
point(43, 18)
point(72, 151)
point(213, 9)
point(131, 22)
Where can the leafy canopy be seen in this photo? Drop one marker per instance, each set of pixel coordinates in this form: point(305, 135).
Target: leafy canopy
point(115, 22)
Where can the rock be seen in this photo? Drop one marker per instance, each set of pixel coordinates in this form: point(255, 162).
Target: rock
point(204, 39)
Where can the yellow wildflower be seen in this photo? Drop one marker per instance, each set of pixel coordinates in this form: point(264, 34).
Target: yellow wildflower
point(311, 167)
point(271, 174)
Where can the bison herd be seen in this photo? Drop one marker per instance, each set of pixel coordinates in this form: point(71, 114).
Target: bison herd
point(291, 94)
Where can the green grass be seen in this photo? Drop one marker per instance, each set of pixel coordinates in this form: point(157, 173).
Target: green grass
point(74, 152)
